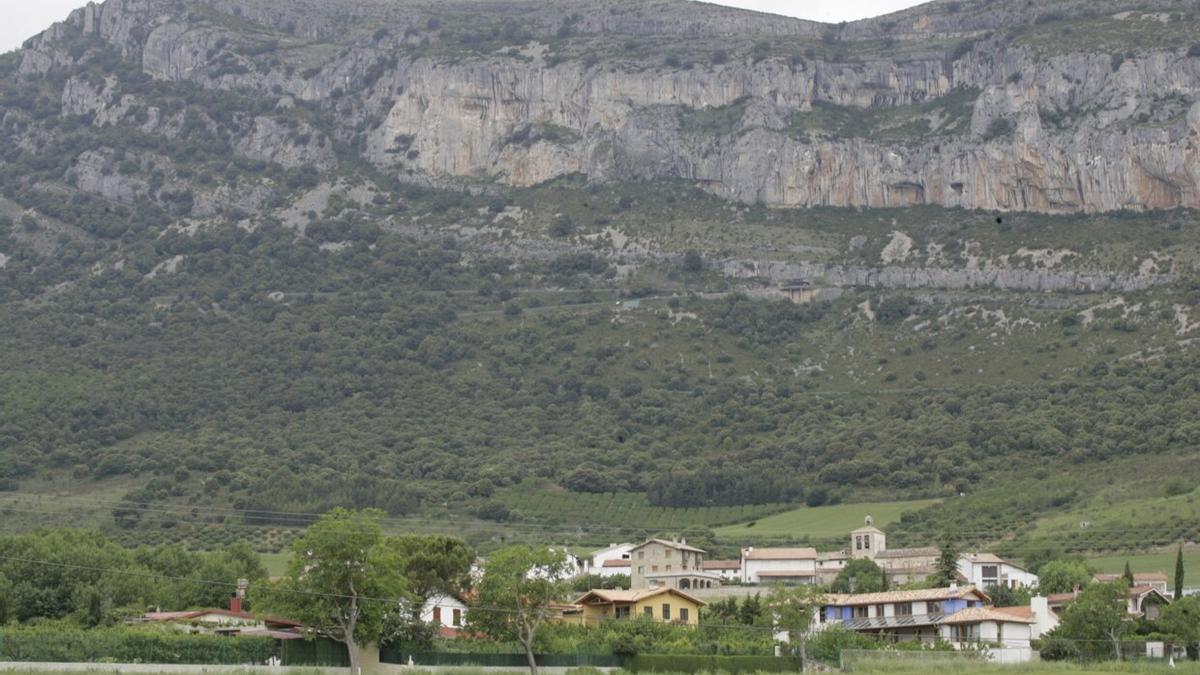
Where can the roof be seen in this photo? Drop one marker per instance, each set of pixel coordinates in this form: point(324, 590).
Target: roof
point(722, 564)
point(832, 555)
point(1138, 577)
point(841, 599)
point(678, 545)
point(991, 559)
point(881, 622)
point(612, 547)
point(1022, 611)
point(927, 551)
point(977, 614)
point(867, 528)
point(616, 562)
point(632, 595)
point(780, 554)
point(196, 614)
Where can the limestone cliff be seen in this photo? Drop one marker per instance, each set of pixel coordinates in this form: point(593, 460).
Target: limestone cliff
point(963, 104)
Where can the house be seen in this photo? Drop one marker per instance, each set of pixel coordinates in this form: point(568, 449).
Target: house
point(867, 541)
point(598, 560)
point(611, 568)
point(446, 612)
point(904, 615)
point(1140, 601)
point(728, 570)
point(1156, 580)
point(664, 604)
point(986, 570)
point(779, 565)
point(1005, 636)
point(673, 564)
point(829, 565)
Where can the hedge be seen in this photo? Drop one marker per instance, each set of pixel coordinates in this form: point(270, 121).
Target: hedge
point(129, 645)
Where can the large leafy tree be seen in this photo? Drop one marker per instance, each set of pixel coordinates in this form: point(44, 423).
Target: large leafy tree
point(343, 579)
point(515, 595)
point(859, 576)
point(1098, 616)
point(1181, 619)
point(434, 564)
point(1063, 576)
point(793, 611)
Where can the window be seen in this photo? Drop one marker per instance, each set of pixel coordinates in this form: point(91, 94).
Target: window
point(641, 555)
point(964, 632)
point(641, 570)
point(648, 611)
point(858, 542)
point(903, 609)
point(860, 612)
point(879, 610)
point(990, 573)
point(933, 607)
point(456, 619)
point(867, 541)
point(654, 568)
point(668, 568)
point(622, 612)
point(666, 609)
point(683, 615)
point(437, 616)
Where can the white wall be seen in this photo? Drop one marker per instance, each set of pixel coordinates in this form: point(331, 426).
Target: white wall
point(751, 568)
point(447, 603)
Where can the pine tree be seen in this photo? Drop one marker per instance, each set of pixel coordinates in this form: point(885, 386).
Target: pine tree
point(1128, 573)
point(947, 563)
point(1179, 573)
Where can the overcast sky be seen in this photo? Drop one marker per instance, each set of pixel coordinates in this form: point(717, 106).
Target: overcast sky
point(25, 18)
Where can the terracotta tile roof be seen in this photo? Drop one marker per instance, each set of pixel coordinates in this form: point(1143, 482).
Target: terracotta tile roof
point(670, 544)
point(722, 564)
point(1138, 577)
point(1022, 611)
point(991, 559)
point(976, 614)
point(832, 555)
point(617, 563)
point(918, 595)
point(780, 554)
point(633, 595)
point(926, 551)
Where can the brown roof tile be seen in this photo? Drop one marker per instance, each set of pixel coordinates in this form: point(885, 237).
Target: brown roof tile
point(780, 554)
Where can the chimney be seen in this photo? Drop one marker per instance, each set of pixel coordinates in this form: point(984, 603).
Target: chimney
point(683, 540)
point(237, 600)
point(954, 585)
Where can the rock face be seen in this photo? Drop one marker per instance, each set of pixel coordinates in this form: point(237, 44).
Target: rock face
point(966, 104)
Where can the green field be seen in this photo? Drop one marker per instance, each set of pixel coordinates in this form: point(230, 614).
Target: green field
point(1153, 562)
point(555, 506)
point(276, 563)
point(821, 522)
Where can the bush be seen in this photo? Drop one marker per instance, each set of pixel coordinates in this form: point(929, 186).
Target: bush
point(61, 644)
point(720, 56)
point(999, 128)
point(1194, 50)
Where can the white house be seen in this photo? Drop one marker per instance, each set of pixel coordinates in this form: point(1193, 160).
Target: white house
point(598, 560)
point(779, 565)
point(1005, 636)
point(729, 570)
point(986, 570)
point(612, 568)
point(446, 611)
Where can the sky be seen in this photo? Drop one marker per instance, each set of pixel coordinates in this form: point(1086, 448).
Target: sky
point(23, 18)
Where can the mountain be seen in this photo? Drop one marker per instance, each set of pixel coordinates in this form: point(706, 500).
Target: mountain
point(1067, 107)
point(447, 258)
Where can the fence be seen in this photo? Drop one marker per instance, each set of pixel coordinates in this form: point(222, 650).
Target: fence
point(640, 663)
point(854, 658)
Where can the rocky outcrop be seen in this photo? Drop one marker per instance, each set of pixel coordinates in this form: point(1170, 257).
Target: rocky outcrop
point(991, 125)
point(896, 277)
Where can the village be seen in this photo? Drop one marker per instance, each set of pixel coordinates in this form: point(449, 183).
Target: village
point(926, 598)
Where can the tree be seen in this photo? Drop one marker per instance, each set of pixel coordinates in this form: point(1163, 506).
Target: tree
point(860, 575)
point(1063, 576)
point(792, 610)
point(947, 564)
point(1098, 615)
point(1007, 596)
point(433, 564)
point(1128, 574)
point(516, 592)
point(5, 600)
point(343, 579)
point(1179, 573)
point(1181, 619)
